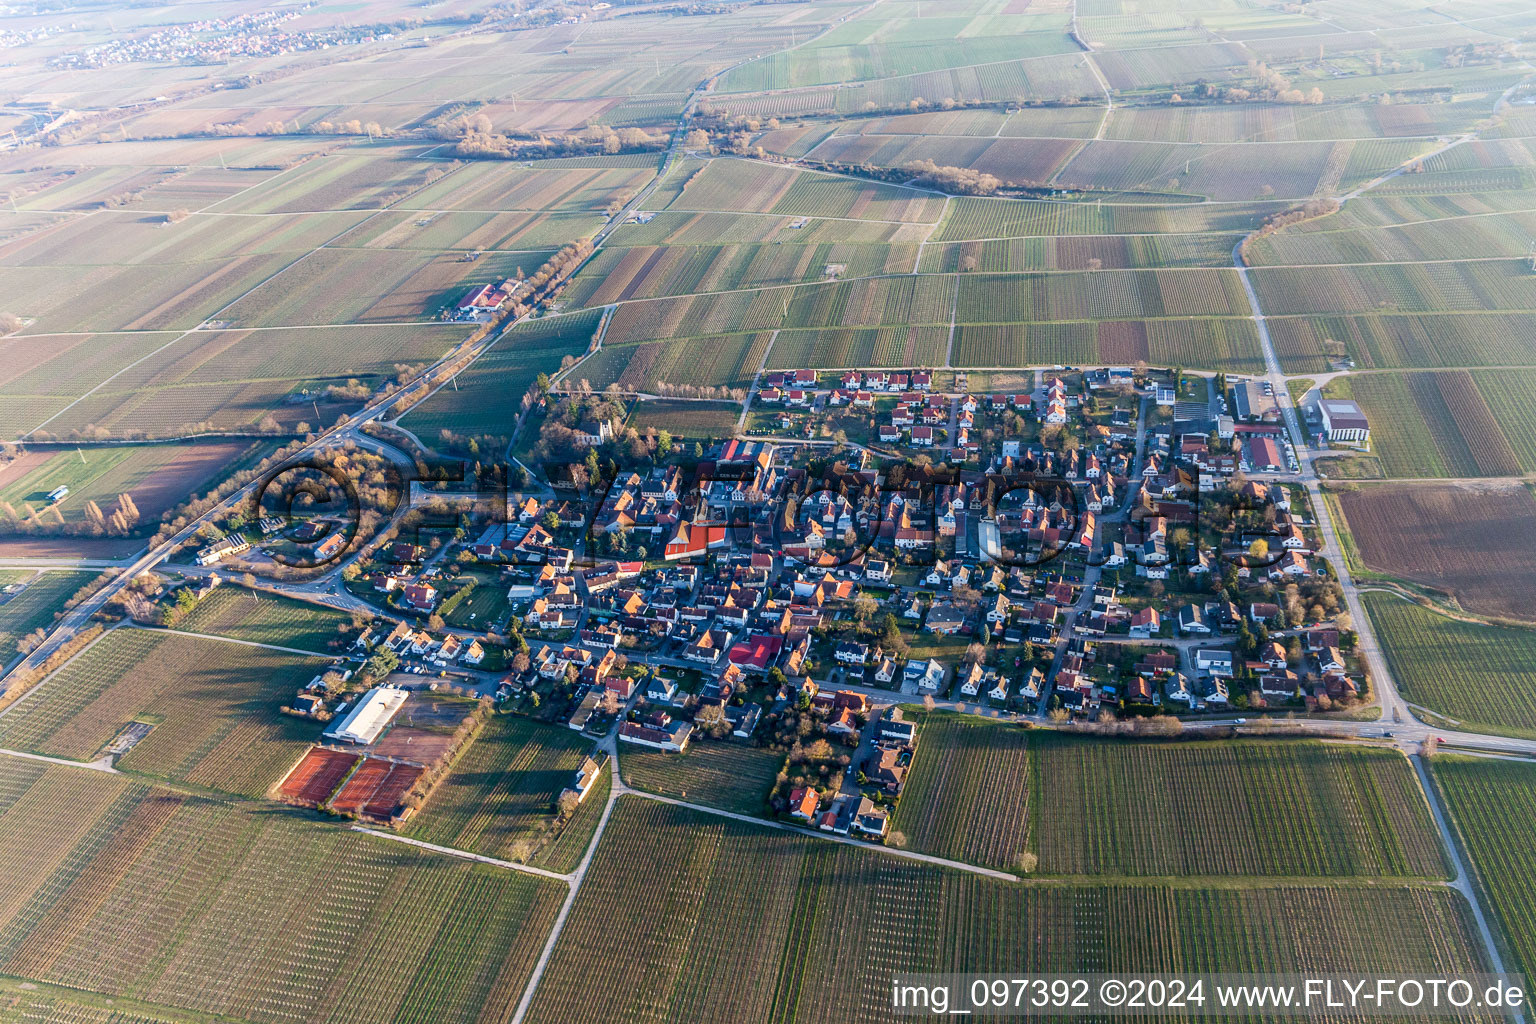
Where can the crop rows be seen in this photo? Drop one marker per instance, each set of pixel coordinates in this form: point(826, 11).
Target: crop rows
point(1408, 288)
point(1481, 677)
point(728, 359)
point(1297, 809)
point(1079, 252)
point(1406, 340)
point(502, 789)
point(1493, 804)
point(139, 891)
point(861, 347)
point(35, 605)
point(213, 707)
point(1440, 424)
point(723, 774)
point(265, 619)
point(968, 795)
point(485, 397)
point(815, 930)
point(1108, 295)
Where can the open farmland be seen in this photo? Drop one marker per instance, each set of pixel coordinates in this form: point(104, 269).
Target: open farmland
point(165, 384)
point(156, 478)
point(499, 798)
point(1344, 812)
point(484, 397)
point(1493, 804)
point(212, 707)
point(265, 618)
point(794, 925)
point(756, 187)
point(705, 421)
point(1471, 675)
point(987, 793)
point(43, 594)
point(727, 360)
point(968, 797)
point(723, 774)
point(1309, 344)
point(1448, 423)
point(1466, 541)
point(181, 889)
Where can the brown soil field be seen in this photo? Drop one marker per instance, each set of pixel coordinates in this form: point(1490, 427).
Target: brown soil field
point(317, 776)
point(70, 547)
point(1473, 543)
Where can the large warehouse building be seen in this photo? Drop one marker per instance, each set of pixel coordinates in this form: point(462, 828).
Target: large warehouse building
point(366, 722)
point(1343, 420)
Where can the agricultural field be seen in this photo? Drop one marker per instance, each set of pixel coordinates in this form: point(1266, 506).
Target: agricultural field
point(166, 384)
point(990, 794)
point(1469, 286)
point(181, 888)
point(646, 271)
point(212, 708)
point(1228, 344)
point(796, 923)
point(1310, 344)
point(43, 594)
point(702, 421)
point(968, 795)
point(262, 618)
point(1103, 295)
point(1346, 812)
point(724, 774)
point(498, 799)
point(726, 360)
point(1492, 805)
point(1080, 252)
point(483, 400)
point(750, 186)
point(1470, 675)
point(156, 478)
point(833, 348)
point(1472, 423)
point(1469, 542)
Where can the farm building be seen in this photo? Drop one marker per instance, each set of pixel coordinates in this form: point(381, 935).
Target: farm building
point(365, 722)
point(1343, 420)
point(486, 298)
point(58, 494)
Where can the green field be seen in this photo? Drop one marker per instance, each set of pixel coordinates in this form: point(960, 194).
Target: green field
point(1448, 423)
point(498, 800)
point(1480, 677)
point(746, 923)
point(262, 618)
point(182, 889)
point(707, 421)
point(162, 384)
point(987, 793)
point(213, 708)
point(155, 477)
point(34, 607)
point(968, 796)
point(724, 774)
point(484, 397)
point(1493, 804)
